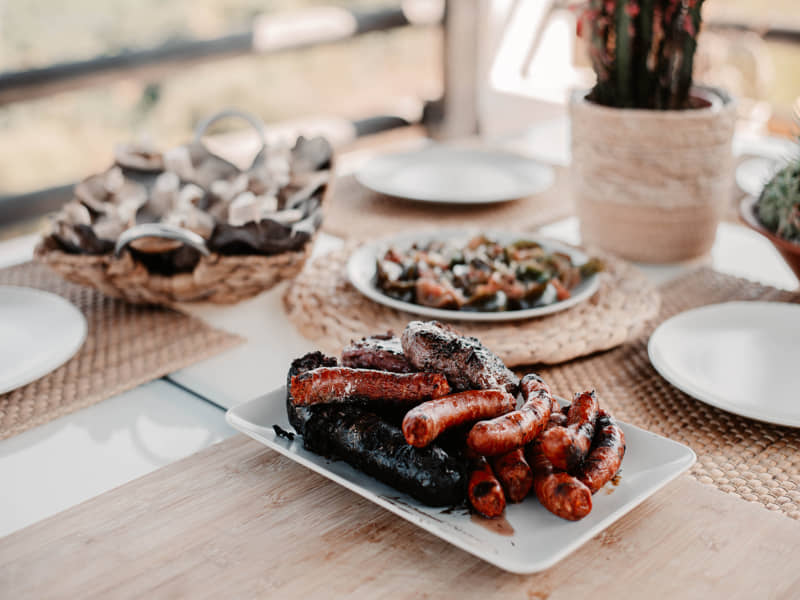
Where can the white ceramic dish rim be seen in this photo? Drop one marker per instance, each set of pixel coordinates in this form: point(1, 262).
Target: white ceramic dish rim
point(368, 252)
point(55, 360)
point(367, 177)
point(268, 437)
point(662, 364)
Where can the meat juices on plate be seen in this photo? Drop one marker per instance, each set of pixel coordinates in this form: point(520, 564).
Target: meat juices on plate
point(468, 364)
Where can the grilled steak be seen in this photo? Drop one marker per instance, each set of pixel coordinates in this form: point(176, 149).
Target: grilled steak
point(467, 364)
point(381, 352)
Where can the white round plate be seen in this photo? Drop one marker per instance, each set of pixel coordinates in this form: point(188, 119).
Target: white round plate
point(741, 357)
point(753, 174)
point(40, 331)
point(456, 175)
point(361, 272)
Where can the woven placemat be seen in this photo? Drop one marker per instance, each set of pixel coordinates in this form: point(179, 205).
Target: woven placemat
point(328, 310)
point(126, 346)
point(753, 460)
point(354, 212)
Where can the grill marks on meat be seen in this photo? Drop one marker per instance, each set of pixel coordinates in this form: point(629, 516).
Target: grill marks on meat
point(423, 423)
point(567, 447)
point(606, 455)
point(340, 384)
point(515, 429)
point(468, 364)
point(381, 352)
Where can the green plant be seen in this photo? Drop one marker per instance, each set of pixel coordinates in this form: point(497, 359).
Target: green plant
point(642, 51)
point(778, 205)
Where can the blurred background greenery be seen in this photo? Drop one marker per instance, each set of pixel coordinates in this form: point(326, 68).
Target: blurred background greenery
point(63, 137)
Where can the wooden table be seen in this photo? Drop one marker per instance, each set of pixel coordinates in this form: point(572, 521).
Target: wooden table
point(241, 521)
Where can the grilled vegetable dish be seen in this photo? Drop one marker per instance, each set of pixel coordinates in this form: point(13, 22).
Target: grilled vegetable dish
point(434, 414)
point(481, 275)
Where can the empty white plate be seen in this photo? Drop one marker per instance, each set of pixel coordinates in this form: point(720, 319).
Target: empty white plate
point(456, 175)
point(742, 357)
point(529, 539)
point(39, 332)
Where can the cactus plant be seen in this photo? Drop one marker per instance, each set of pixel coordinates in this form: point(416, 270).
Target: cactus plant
point(642, 51)
point(778, 205)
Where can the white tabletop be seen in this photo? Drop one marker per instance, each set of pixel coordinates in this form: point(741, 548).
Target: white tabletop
point(73, 458)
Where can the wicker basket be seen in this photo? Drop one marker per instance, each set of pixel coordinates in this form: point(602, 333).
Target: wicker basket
point(216, 278)
point(652, 185)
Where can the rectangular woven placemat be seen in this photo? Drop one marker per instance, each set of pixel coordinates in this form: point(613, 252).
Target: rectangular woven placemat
point(126, 345)
point(354, 212)
point(753, 460)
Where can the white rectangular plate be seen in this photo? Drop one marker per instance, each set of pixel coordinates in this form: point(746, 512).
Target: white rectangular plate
point(539, 539)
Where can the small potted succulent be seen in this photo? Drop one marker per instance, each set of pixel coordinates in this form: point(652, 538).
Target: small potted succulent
point(652, 159)
point(776, 213)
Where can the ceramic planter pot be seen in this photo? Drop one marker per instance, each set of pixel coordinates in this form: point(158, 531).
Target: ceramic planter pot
point(650, 185)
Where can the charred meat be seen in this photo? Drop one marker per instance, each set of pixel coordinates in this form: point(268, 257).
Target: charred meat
point(467, 364)
point(343, 384)
point(381, 352)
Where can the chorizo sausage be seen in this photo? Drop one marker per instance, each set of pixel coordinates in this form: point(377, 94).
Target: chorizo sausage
point(517, 428)
point(567, 447)
point(605, 457)
point(514, 473)
point(484, 491)
point(423, 423)
point(337, 384)
point(559, 492)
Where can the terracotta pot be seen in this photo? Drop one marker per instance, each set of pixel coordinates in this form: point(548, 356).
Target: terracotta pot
point(790, 251)
point(652, 185)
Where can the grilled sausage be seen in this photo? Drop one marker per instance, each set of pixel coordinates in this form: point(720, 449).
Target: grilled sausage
point(558, 418)
point(514, 473)
point(605, 457)
point(423, 423)
point(567, 447)
point(338, 384)
point(517, 428)
point(484, 491)
point(559, 492)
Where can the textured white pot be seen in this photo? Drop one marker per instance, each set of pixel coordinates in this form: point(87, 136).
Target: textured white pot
point(652, 185)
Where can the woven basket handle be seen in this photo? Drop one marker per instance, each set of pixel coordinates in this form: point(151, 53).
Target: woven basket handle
point(251, 119)
point(161, 230)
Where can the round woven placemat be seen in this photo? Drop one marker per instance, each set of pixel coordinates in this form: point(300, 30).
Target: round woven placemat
point(755, 461)
point(328, 310)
